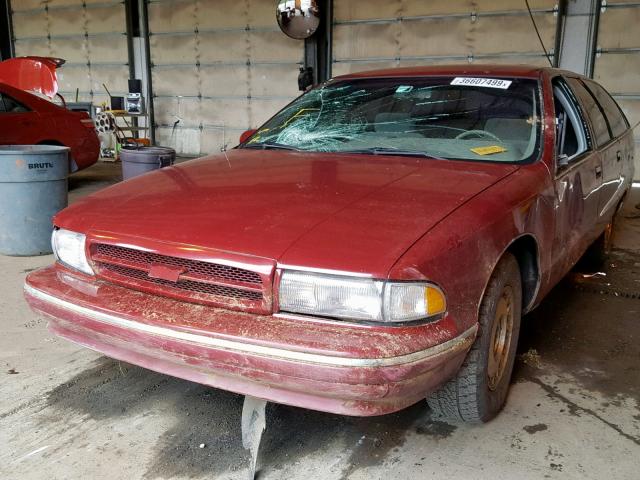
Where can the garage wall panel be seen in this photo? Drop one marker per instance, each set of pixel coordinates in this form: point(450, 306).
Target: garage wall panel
point(365, 41)
point(90, 35)
point(179, 80)
point(225, 80)
point(441, 35)
point(406, 32)
point(105, 19)
point(274, 46)
point(619, 72)
point(614, 30)
point(229, 112)
point(67, 21)
point(222, 46)
point(170, 109)
point(229, 58)
point(173, 49)
point(234, 15)
point(72, 77)
point(172, 16)
point(617, 62)
point(28, 24)
point(631, 108)
point(104, 50)
point(379, 9)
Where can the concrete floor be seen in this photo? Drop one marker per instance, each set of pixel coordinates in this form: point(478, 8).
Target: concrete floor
point(573, 410)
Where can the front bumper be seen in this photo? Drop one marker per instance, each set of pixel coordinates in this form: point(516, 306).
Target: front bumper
point(345, 369)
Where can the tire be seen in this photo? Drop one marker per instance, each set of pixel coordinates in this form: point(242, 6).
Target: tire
point(472, 396)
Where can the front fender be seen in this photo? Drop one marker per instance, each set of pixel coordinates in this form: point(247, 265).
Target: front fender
point(461, 252)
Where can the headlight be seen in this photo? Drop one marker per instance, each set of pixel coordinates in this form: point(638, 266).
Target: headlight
point(69, 249)
point(358, 298)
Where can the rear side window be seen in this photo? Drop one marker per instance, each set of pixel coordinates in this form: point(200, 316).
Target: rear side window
point(592, 110)
point(616, 118)
point(9, 105)
point(572, 136)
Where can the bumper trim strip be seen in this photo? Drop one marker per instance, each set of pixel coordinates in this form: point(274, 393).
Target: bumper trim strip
point(458, 343)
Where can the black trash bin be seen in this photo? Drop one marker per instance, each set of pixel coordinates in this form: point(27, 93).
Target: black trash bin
point(139, 160)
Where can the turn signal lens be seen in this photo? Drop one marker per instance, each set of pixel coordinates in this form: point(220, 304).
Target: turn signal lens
point(405, 302)
point(436, 303)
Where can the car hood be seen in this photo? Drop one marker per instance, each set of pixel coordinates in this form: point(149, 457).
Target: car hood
point(355, 213)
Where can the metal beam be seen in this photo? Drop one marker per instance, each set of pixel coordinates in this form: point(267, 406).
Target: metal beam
point(130, 10)
point(6, 31)
point(144, 33)
point(317, 48)
point(579, 36)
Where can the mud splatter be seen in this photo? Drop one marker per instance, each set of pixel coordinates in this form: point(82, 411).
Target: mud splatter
point(436, 429)
point(538, 427)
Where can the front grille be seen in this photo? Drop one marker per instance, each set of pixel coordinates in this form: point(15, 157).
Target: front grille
point(186, 285)
point(199, 281)
point(194, 267)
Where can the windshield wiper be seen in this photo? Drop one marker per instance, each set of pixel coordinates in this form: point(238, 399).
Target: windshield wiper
point(393, 151)
point(272, 145)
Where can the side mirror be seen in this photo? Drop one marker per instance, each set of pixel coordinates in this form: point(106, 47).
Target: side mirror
point(245, 135)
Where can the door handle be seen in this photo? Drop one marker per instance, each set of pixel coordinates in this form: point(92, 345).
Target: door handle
point(618, 155)
point(598, 172)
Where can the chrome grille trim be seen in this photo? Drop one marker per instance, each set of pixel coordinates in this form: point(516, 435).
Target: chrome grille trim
point(199, 282)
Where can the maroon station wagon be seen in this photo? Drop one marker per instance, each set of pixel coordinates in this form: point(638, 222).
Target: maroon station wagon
point(374, 244)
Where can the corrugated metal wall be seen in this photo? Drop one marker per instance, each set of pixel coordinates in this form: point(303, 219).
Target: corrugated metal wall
point(90, 35)
point(617, 63)
point(388, 33)
point(218, 68)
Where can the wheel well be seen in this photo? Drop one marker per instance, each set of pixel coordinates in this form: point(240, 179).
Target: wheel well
point(525, 249)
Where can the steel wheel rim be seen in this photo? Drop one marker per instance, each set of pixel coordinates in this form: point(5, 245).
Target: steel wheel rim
point(501, 334)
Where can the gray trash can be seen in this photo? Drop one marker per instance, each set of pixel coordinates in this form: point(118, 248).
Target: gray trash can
point(139, 160)
point(33, 188)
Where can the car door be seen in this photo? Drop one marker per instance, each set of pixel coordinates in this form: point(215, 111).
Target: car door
point(605, 145)
point(578, 178)
point(18, 123)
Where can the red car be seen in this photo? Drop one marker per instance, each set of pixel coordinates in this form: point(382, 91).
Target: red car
point(26, 119)
point(375, 243)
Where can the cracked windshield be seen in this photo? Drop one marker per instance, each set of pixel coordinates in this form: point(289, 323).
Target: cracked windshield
point(469, 118)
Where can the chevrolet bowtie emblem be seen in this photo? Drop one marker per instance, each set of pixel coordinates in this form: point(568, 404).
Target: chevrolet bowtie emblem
point(166, 272)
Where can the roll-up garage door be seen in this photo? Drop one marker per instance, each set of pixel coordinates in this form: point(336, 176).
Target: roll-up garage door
point(218, 68)
point(89, 35)
point(388, 33)
point(617, 63)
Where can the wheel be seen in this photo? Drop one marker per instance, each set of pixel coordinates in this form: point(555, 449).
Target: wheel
point(479, 389)
point(477, 133)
